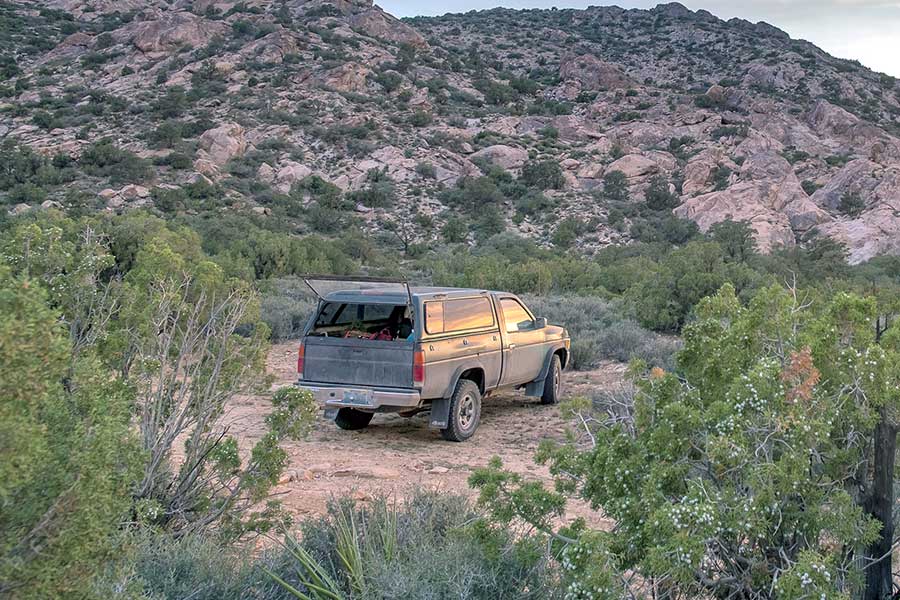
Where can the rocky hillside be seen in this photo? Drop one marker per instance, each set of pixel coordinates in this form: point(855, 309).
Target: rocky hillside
point(331, 114)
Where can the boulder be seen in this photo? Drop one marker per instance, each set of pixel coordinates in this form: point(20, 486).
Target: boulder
point(348, 77)
point(378, 24)
point(290, 173)
point(593, 73)
point(633, 166)
point(219, 145)
point(503, 156)
point(273, 47)
point(265, 173)
point(18, 209)
point(170, 30)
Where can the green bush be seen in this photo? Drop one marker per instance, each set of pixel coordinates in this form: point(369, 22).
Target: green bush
point(105, 159)
point(432, 545)
point(543, 175)
point(70, 454)
point(285, 307)
point(599, 331)
point(852, 205)
point(615, 186)
point(658, 196)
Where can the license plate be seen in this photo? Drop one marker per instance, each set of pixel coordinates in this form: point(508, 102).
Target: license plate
point(359, 397)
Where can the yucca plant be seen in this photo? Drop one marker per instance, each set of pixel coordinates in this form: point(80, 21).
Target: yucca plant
point(312, 575)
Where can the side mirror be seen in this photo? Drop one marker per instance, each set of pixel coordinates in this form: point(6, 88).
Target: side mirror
point(540, 322)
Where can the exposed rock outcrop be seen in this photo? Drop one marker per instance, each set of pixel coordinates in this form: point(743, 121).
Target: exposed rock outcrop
point(502, 156)
point(173, 29)
point(593, 74)
point(768, 195)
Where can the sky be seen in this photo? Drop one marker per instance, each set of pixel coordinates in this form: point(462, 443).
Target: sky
point(864, 30)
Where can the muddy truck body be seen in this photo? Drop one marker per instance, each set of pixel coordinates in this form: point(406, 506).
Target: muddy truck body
point(378, 345)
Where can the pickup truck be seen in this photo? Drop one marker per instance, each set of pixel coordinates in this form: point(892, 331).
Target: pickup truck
point(378, 345)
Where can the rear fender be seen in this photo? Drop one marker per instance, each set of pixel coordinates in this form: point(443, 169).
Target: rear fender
point(475, 364)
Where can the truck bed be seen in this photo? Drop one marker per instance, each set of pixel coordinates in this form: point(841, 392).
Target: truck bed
point(369, 363)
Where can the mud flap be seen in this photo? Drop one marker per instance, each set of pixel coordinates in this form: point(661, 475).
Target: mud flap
point(331, 413)
point(440, 413)
point(535, 389)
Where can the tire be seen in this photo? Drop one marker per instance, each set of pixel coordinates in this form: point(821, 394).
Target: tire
point(553, 382)
point(465, 412)
point(352, 419)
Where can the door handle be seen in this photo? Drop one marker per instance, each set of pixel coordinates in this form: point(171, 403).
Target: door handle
point(465, 342)
point(512, 346)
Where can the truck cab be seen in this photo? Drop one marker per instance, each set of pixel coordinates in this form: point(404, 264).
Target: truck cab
point(379, 345)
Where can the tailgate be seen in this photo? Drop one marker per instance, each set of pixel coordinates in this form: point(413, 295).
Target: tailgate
point(358, 362)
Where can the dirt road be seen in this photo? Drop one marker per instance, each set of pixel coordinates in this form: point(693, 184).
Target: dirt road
point(394, 454)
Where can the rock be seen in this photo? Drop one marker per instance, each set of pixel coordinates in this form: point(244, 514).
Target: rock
point(18, 209)
point(170, 30)
point(373, 472)
point(262, 210)
point(362, 208)
point(107, 193)
point(634, 165)
point(272, 48)
point(593, 73)
point(48, 204)
point(717, 94)
point(826, 118)
point(502, 156)
point(877, 230)
point(438, 470)
point(699, 169)
point(348, 77)
point(377, 23)
point(768, 195)
point(266, 173)
point(290, 173)
point(218, 146)
point(133, 192)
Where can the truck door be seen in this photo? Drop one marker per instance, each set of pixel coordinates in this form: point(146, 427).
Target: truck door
point(524, 349)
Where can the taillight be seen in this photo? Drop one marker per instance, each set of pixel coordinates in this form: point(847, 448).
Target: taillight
point(300, 352)
point(419, 367)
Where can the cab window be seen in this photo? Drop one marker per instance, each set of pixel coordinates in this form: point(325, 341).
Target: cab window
point(515, 317)
point(458, 315)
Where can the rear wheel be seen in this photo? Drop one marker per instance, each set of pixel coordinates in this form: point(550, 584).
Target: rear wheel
point(352, 419)
point(553, 382)
point(465, 412)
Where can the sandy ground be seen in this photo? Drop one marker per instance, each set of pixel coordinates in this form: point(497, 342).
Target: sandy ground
point(395, 454)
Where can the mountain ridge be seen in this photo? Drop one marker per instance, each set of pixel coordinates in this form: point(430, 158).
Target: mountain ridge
point(243, 102)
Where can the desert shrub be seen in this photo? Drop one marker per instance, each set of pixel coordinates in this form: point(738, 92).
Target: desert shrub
point(543, 174)
point(760, 389)
point(455, 229)
point(426, 170)
point(664, 301)
point(105, 159)
point(851, 204)
point(420, 118)
point(379, 192)
point(809, 186)
point(69, 453)
point(615, 186)
point(600, 331)
point(432, 545)
point(720, 176)
point(285, 307)
point(474, 195)
point(658, 196)
point(195, 566)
